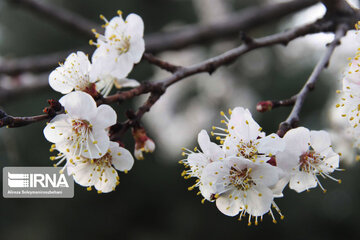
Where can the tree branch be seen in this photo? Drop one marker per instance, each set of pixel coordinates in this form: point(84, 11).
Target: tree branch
point(157, 42)
point(293, 118)
point(54, 109)
point(61, 16)
point(226, 58)
point(209, 66)
point(244, 20)
point(160, 63)
point(157, 89)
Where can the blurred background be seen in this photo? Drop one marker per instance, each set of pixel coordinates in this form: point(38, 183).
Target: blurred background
point(152, 201)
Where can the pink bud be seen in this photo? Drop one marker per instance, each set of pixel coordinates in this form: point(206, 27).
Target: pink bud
point(264, 106)
point(142, 142)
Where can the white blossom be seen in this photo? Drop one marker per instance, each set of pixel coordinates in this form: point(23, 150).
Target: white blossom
point(350, 96)
point(101, 172)
point(82, 129)
point(73, 74)
point(197, 161)
point(243, 137)
point(117, 51)
point(239, 185)
point(307, 155)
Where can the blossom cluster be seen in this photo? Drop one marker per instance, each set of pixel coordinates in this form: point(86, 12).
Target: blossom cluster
point(249, 169)
point(350, 98)
point(121, 46)
point(81, 134)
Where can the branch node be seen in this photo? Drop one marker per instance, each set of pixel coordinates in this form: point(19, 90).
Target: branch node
point(311, 86)
point(245, 38)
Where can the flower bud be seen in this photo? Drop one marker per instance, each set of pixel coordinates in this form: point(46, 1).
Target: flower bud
point(264, 106)
point(142, 142)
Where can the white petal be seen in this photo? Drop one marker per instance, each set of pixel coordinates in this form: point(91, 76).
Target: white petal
point(350, 85)
point(258, 200)
point(278, 188)
point(230, 145)
point(107, 181)
point(110, 66)
point(149, 145)
point(239, 163)
point(287, 161)
point(59, 82)
point(83, 63)
point(121, 157)
point(98, 53)
point(264, 173)
point(54, 131)
point(297, 140)
point(271, 144)
point(302, 181)
point(105, 117)
point(123, 65)
point(126, 82)
point(210, 149)
point(227, 204)
point(97, 146)
point(242, 125)
point(79, 105)
point(137, 49)
point(116, 26)
point(215, 177)
point(197, 163)
point(204, 140)
point(330, 162)
point(84, 173)
point(138, 154)
point(319, 140)
point(134, 25)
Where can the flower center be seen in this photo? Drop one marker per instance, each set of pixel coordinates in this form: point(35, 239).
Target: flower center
point(309, 161)
point(81, 127)
point(82, 82)
point(104, 161)
point(241, 179)
point(120, 42)
point(82, 133)
point(247, 150)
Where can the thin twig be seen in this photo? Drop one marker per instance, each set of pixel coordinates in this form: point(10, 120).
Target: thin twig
point(54, 109)
point(293, 118)
point(160, 63)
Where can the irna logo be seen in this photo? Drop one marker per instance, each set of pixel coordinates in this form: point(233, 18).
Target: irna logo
point(19, 180)
point(36, 182)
